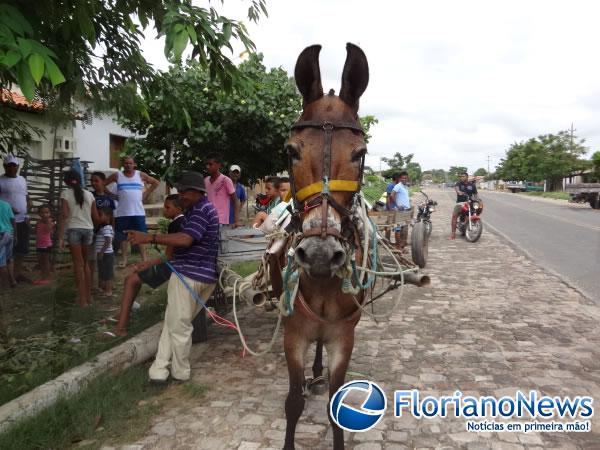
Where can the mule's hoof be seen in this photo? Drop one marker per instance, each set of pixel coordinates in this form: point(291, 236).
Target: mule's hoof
point(318, 386)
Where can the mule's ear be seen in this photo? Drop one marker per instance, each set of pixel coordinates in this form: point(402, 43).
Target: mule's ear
point(308, 74)
point(355, 76)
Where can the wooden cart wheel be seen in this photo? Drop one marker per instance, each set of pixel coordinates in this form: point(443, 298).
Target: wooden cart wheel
point(419, 244)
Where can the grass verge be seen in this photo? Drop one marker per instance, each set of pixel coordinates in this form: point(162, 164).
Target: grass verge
point(555, 195)
point(45, 334)
point(111, 409)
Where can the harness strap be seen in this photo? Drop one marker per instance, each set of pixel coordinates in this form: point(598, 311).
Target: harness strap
point(309, 313)
point(334, 186)
point(326, 125)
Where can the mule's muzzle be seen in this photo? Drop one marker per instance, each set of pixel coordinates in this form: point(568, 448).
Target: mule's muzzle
point(320, 258)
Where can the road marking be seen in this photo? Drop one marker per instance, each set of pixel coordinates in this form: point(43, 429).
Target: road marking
point(579, 224)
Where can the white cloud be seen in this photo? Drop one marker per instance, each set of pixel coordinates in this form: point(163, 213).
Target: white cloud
point(451, 82)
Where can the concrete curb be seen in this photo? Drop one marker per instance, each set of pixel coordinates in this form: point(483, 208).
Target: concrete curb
point(529, 256)
point(133, 351)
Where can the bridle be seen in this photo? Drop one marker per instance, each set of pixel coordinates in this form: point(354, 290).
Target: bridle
point(319, 193)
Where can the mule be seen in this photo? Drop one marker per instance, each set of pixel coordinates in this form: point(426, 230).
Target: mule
point(326, 151)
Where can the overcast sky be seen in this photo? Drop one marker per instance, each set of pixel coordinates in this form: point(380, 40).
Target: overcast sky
point(451, 81)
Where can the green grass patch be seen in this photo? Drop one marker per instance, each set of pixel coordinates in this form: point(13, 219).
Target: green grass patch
point(45, 334)
point(112, 408)
point(555, 195)
point(374, 192)
point(245, 268)
point(193, 389)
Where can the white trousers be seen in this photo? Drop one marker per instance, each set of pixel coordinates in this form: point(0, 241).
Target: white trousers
point(176, 337)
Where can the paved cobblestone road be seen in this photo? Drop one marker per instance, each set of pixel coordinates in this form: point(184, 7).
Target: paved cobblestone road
point(492, 322)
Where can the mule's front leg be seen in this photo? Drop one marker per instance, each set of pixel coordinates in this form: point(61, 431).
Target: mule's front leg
point(339, 353)
point(295, 347)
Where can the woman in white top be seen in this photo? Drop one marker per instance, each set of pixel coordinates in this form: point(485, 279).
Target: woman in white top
point(77, 216)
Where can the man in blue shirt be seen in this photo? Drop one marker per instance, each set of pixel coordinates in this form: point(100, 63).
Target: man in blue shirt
point(401, 201)
point(240, 192)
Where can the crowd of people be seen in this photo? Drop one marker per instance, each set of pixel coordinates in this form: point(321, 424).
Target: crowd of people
point(96, 223)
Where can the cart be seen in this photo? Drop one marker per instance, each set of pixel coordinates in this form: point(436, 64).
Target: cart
point(388, 221)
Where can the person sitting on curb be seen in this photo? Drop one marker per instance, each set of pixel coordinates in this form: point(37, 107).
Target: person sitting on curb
point(154, 272)
point(195, 250)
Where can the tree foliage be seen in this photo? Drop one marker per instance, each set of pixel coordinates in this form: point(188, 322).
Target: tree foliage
point(190, 115)
point(455, 171)
point(481, 172)
point(57, 50)
point(549, 157)
point(399, 163)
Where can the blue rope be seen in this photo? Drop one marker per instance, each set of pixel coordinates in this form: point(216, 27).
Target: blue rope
point(195, 295)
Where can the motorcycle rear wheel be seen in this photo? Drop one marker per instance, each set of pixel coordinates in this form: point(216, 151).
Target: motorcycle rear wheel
point(473, 234)
point(419, 244)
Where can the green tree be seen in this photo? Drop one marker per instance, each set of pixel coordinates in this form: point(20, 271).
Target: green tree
point(398, 162)
point(415, 174)
point(481, 172)
point(455, 171)
point(596, 165)
point(549, 157)
point(438, 175)
point(56, 49)
point(190, 115)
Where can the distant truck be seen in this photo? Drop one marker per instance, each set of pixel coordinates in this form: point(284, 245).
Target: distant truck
point(585, 193)
point(523, 186)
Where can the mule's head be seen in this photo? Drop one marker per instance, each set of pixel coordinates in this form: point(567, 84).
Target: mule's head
point(326, 152)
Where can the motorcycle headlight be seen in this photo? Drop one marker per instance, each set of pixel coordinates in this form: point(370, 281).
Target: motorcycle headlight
point(475, 205)
point(431, 209)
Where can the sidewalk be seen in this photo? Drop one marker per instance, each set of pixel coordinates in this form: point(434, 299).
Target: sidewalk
point(491, 323)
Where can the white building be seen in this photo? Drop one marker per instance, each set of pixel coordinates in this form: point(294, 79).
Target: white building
point(100, 142)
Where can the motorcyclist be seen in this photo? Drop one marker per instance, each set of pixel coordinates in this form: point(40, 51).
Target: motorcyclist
point(464, 190)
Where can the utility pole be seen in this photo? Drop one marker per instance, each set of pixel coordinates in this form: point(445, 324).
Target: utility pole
point(572, 131)
point(488, 164)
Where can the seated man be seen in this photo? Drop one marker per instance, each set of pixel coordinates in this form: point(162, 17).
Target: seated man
point(154, 272)
point(195, 250)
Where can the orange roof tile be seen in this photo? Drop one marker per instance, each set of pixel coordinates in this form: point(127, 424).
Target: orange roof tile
point(19, 101)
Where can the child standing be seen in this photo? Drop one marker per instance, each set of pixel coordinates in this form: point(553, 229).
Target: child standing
point(104, 199)
point(43, 243)
point(7, 231)
point(104, 250)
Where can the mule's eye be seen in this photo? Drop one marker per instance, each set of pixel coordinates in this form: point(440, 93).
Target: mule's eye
point(293, 150)
point(359, 153)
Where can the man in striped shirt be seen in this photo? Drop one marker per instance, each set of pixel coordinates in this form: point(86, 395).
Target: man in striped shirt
point(195, 250)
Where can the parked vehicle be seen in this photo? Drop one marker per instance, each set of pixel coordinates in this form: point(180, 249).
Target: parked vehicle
point(585, 193)
point(424, 211)
point(469, 221)
point(523, 186)
point(419, 238)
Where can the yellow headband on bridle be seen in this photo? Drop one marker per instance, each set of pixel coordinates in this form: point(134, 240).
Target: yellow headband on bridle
point(315, 188)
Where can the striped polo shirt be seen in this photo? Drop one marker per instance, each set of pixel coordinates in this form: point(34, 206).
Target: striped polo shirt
point(199, 260)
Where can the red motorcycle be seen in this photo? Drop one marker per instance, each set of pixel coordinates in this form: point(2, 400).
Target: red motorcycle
point(469, 221)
